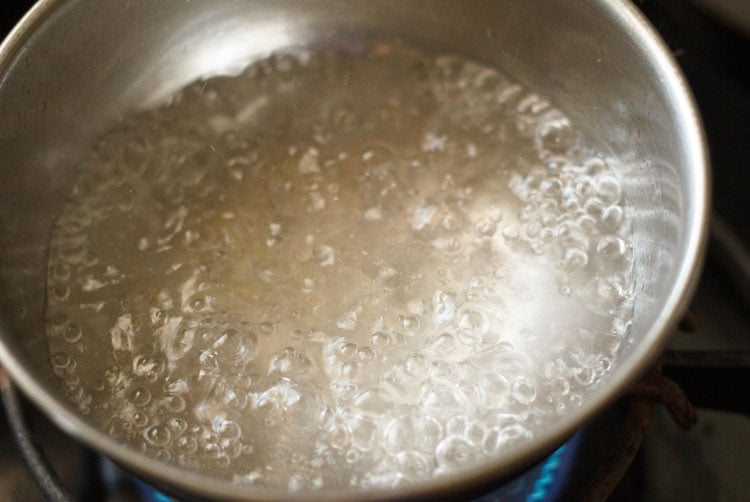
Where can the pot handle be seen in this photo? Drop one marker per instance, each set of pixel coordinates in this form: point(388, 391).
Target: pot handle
point(44, 475)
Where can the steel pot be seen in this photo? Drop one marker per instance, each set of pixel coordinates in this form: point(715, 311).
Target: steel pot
point(72, 67)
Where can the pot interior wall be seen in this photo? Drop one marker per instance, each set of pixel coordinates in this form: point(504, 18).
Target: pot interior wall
point(86, 63)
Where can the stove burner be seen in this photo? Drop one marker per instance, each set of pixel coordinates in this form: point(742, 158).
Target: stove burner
point(542, 483)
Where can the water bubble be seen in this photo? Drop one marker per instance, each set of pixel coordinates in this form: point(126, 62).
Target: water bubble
point(594, 207)
point(60, 360)
point(352, 456)
point(548, 220)
point(337, 436)
point(144, 365)
point(550, 187)
point(366, 354)
point(227, 432)
point(571, 204)
point(575, 259)
point(177, 426)
point(444, 345)
point(374, 401)
point(587, 223)
point(72, 333)
point(474, 432)
point(594, 166)
point(267, 328)
point(140, 419)
point(584, 375)
point(157, 435)
point(608, 189)
point(560, 386)
point(456, 425)
point(532, 229)
point(523, 391)
point(379, 339)
point(609, 290)
point(485, 228)
point(415, 364)
point(610, 247)
point(413, 465)
point(510, 232)
point(349, 370)
point(74, 255)
point(473, 321)
point(290, 362)
point(181, 342)
point(364, 432)
point(514, 431)
point(61, 272)
point(455, 451)
point(568, 233)
point(440, 370)
point(493, 441)
point(555, 136)
point(604, 364)
point(175, 403)
point(163, 455)
point(60, 292)
point(187, 445)
point(141, 397)
point(628, 251)
point(611, 218)
point(556, 163)
point(198, 303)
point(74, 392)
point(494, 213)
point(583, 186)
point(234, 347)
point(398, 434)
point(409, 322)
point(349, 351)
point(575, 400)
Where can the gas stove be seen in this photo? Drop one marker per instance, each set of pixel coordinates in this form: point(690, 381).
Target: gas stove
point(707, 355)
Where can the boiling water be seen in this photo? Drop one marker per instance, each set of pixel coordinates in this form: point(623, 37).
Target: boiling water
point(339, 270)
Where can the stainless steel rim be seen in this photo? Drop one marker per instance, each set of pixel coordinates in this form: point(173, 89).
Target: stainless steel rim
point(631, 21)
